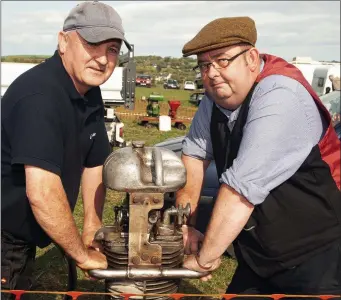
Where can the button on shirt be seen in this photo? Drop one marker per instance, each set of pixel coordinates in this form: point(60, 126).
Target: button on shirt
point(282, 127)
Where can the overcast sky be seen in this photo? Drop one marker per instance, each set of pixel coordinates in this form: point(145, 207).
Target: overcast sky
point(287, 29)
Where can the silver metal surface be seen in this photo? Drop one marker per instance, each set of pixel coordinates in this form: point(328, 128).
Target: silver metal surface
point(157, 157)
point(141, 252)
point(144, 169)
point(134, 273)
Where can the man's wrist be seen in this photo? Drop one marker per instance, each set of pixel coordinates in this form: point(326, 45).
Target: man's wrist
point(91, 227)
point(81, 259)
point(205, 266)
point(91, 224)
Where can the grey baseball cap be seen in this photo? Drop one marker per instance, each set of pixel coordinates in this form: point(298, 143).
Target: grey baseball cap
point(95, 22)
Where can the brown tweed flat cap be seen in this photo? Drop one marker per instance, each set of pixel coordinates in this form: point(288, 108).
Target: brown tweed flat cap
point(222, 32)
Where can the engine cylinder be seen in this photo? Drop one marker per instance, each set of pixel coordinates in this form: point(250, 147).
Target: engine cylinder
point(115, 244)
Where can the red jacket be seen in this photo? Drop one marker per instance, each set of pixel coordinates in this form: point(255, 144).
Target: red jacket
point(302, 216)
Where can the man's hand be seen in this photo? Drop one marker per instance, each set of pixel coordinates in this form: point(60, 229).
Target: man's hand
point(88, 236)
point(191, 263)
point(192, 239)
point(94, 260)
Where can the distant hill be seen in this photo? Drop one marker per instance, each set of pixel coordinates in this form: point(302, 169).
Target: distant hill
point(156, 66)
point(24, 58)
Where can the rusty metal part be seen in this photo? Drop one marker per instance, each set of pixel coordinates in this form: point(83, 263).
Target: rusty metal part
point(115, 247)
point(145, 256)
point(180, 212)
point(144, 169)
point(140, 206)
point(135, 260)
point(137, 273)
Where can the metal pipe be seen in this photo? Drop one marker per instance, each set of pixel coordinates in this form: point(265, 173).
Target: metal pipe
point(134, 273)
point(172, 211)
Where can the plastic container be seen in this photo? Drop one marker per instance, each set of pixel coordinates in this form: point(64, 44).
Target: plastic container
point(165, 123)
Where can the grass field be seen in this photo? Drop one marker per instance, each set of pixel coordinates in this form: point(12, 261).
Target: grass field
point(51, 272)
point(186, 109)
point(181, 95)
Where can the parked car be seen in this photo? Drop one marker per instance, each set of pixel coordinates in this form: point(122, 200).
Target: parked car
point(189, 86)
point(144, 80)
point(171, 84)
point(196, 97)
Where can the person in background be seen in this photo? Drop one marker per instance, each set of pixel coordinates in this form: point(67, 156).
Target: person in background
point(335, 82)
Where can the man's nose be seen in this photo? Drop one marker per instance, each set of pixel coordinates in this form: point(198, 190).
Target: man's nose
point(102, 56)
point(212, 71)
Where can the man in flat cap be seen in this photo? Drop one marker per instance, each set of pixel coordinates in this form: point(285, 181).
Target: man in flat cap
point(52, 138)
point(278, 162)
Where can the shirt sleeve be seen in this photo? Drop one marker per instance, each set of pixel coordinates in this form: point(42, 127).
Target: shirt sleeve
point(283, 125)
point(36, 134)
point(100, 148)
point(198, 143)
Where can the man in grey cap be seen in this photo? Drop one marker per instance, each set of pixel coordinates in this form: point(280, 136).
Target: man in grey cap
point(54, 138)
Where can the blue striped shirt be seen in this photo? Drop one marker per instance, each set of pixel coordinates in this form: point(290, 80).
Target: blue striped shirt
point(282, 127)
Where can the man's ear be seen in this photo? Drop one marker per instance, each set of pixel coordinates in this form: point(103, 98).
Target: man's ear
point(62, 41)
point(253, 59)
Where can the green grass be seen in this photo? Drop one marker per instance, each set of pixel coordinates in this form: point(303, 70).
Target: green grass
point(51, 273)
point(180, 95)
point(151, 136)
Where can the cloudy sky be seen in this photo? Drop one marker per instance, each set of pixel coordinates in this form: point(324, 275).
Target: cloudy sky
point(285, 29)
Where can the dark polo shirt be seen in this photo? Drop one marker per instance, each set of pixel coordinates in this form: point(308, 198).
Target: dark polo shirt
point(46, 123)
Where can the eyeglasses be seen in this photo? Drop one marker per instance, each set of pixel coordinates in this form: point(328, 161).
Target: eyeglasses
point(218, 64)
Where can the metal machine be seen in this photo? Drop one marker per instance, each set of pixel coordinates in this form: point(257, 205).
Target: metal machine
point(144, 245)
point(153, 112)
point(153, 107)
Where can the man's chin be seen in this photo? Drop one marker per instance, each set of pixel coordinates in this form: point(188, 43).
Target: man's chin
point(224, 101)
point(222, 97)
point(95, 81)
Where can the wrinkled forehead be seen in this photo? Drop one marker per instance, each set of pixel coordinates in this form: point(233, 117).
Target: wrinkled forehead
point(208, 55)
